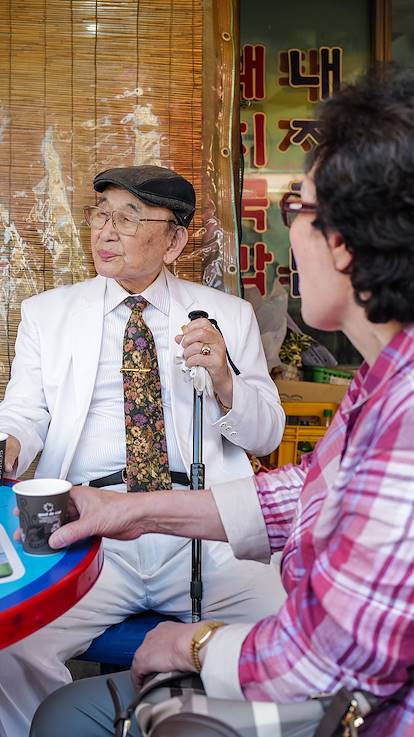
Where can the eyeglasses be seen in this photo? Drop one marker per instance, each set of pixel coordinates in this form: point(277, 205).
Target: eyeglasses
point(291, 205)
point(121, 220)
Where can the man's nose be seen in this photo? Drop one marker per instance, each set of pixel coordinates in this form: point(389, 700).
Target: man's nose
point(109, 232)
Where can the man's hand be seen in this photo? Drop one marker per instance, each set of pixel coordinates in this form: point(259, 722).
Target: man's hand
point(97, 512)
point(166, 647)
point(12, 453)
point(196, 334)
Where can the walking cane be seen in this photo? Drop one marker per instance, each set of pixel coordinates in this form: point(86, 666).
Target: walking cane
point(197, 474)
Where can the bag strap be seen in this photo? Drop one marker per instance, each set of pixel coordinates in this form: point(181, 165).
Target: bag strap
point(342, 704)
point(122, 718)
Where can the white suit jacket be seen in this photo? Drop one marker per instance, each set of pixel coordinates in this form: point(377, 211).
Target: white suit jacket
point(54, 370)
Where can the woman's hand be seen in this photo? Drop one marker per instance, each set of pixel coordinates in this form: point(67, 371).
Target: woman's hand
point(167, 647)
point(98, 512)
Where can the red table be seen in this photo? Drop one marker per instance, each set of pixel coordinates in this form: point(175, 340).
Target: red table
point(40, 587)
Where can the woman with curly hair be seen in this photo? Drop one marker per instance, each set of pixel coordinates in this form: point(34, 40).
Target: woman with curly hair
point(344, 518)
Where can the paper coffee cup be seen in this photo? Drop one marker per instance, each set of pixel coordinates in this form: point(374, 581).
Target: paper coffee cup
point(43, 506)
point(3, 438)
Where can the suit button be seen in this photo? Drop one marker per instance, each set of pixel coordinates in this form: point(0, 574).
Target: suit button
point(233, 433)
point(222, 424)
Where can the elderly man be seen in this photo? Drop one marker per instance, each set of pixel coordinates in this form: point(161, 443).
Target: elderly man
point(77, 396)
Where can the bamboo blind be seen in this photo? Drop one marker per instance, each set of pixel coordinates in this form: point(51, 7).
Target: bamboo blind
point(86, 85)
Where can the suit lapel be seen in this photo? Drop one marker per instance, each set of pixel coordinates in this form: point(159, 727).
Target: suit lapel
point(86, 326)
point(86, 335)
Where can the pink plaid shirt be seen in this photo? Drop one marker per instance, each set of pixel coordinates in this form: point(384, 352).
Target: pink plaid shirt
point(345, 522)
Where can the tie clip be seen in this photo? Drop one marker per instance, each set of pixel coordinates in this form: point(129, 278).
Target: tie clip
point(135, 370)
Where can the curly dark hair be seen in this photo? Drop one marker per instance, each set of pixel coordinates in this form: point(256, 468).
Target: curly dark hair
point(364, 177)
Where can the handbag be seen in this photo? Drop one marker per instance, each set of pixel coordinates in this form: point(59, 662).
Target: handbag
point(176, 705)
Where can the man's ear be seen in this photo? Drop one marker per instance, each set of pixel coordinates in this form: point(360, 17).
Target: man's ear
point(177, 244)
point(342, 257)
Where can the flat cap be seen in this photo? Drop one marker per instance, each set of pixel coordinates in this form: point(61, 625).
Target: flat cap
point(154, 185)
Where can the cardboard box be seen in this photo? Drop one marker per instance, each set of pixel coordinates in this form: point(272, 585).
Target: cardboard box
point(310, 391)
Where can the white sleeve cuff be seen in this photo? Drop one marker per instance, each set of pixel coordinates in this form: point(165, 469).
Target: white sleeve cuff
point(241, 514)
point(220, 675)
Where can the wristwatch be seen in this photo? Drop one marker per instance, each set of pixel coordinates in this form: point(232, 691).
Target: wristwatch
point(201, 638)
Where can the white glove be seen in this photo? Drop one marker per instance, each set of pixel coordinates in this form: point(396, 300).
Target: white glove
point(197, 374)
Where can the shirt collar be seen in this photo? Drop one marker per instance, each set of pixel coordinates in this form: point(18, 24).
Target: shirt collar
point(156, 294)
point(396, 355)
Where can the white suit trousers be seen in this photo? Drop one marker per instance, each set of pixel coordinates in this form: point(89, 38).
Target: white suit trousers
point(151, 573)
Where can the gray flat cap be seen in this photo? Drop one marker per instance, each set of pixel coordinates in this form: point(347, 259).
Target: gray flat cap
point(154, 185)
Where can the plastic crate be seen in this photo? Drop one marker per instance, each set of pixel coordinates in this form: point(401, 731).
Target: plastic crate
point(325, 375)
point(288, 450)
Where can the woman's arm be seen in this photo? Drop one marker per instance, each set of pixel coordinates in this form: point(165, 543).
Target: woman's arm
point(128, 516)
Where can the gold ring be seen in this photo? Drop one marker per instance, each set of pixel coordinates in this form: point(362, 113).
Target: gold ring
point(205, 349)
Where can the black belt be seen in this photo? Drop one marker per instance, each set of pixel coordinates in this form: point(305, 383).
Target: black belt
point(119, 477)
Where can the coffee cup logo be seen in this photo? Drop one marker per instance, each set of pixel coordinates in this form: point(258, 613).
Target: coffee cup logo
point(50, 516)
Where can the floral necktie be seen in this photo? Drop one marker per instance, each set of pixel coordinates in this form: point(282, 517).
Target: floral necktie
point(146, 445)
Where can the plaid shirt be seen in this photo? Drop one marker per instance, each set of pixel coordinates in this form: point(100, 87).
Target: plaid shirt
point(345, 522)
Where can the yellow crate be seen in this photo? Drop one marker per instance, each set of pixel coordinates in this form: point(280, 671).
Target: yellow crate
point(287, 452)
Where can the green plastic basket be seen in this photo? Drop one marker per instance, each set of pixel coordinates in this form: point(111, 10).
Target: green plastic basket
point(325, 375)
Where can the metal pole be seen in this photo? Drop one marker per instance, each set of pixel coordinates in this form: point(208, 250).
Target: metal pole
point(197, 482)
point(197, 475)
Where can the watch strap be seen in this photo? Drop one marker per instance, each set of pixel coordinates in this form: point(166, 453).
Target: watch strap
point(201, 638)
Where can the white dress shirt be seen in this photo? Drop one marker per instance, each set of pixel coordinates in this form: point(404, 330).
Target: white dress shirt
point(102, 446)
